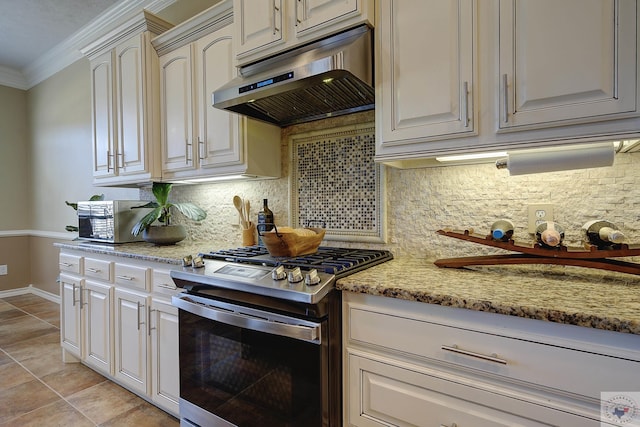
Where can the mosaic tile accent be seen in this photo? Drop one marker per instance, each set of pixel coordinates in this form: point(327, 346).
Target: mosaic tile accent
point(335, 180)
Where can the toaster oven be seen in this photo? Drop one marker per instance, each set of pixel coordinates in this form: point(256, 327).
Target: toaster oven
point(110, 221)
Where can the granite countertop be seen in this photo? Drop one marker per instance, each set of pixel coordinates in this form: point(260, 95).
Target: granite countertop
point(573, 295)
point(170, 254)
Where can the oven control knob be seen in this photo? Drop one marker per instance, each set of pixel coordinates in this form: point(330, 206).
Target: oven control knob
point(278, 273)
point(312, 278)
point(295, 275)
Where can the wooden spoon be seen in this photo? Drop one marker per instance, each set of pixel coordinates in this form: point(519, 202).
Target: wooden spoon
point(247, 213)
point(237, 202)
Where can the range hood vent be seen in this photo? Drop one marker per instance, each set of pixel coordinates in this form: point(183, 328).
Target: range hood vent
point(328, 78)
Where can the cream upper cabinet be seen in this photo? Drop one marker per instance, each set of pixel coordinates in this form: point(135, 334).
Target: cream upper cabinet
point(125, 103)
point(266, 27)
point(426, 79)
point(198, 140)
point(569, 60)
point(461, 76)
point(177, 110)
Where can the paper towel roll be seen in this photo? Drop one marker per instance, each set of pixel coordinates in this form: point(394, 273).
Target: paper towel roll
point(560, 158)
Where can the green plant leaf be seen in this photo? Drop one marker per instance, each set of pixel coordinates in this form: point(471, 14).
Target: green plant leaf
point(191, 211)
point(96, 197)
point(161, 191)
point(73, 205)
point(146, 221)
point(71, 228)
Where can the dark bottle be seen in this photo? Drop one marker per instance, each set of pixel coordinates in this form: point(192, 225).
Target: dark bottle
point(265, 216)
point(549, 234)
point(602, 234)
point(502, 230)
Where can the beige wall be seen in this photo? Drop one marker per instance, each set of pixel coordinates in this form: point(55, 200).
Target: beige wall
point(14, 166)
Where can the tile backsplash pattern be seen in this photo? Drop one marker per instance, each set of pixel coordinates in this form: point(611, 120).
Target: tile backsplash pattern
point(421, 201)
point(335, 180)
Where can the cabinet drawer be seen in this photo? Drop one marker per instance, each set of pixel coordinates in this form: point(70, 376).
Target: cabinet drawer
point(71, 263)
point(565, 369)
point(132, 276)
point(381, 393)
point(98, 269)
point(163, 283)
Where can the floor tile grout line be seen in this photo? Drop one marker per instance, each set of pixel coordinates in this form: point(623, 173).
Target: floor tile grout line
point(40, 380)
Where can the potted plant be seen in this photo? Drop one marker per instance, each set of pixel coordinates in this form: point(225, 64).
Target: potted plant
point(167, 233)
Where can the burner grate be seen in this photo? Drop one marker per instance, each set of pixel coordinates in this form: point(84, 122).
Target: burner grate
point(336, 261)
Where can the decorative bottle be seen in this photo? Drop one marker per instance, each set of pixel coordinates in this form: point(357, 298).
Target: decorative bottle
point(265, 216)
point(549, 234)
point(601, 233)
point(502, 230)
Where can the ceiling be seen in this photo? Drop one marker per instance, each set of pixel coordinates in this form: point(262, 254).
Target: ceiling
point(41, 37)
point(30, 28)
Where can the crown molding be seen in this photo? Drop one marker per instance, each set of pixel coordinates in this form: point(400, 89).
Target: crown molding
point(68, 52)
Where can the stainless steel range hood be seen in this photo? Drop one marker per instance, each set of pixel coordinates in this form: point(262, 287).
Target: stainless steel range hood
point(327, 78)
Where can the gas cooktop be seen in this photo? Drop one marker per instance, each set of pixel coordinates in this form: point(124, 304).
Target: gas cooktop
point(306, 278)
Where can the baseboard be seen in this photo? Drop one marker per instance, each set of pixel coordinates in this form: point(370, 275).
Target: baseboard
point(31, 290)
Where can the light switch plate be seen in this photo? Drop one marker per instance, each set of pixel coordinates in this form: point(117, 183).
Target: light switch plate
point(539, 213)
point(3, 270)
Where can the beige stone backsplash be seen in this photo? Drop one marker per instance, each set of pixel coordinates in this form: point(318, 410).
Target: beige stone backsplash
point(421, 201)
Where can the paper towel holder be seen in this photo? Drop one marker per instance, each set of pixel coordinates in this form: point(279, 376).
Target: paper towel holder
point(553, 159)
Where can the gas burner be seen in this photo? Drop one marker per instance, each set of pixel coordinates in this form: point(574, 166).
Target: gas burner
point(337, 261)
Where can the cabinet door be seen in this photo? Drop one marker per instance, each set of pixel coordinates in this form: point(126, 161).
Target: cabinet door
point(97, 326)
point(258, 25)
point(218, 129)
point(382, 393)
point(130, 106)
point(426, 77)
point(165, 377)
point(569, 60)
point(176, 88)
point(70, 317)
point(102, 115)
point(312, 15)
point(131, 366)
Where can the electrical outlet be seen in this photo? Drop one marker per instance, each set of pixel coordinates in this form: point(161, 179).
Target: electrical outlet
point(3, 270)
point(539, 214)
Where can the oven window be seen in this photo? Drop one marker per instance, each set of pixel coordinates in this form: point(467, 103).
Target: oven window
point(249, 378)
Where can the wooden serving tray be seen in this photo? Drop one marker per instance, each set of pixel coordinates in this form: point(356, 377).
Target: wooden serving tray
point(590, 256)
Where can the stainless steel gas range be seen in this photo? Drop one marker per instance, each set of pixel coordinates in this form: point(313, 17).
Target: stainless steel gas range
point(260, 337)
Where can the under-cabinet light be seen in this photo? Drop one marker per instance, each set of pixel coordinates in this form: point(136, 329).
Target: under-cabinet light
point(214, 179)
point(472, 156)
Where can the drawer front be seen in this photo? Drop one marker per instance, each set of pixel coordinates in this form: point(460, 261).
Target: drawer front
point(132, 276)
point(163, 283)
point(381, 393)
point(71, 263)
point(98, 269)
point(578, 372)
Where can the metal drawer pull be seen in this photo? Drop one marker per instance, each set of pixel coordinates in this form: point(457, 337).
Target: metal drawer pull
point(491, 358)
point(93, 270)
point(66, 264)
point(452, 425)
point(140, 306)
point(128, 278)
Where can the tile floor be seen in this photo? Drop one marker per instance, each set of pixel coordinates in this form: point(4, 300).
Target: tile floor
point(37, 389)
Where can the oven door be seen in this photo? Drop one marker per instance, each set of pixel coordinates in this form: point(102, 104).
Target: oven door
point(247, 367)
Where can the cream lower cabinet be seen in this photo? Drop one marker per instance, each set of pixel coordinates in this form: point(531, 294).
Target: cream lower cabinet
point(414, 364)
point(116, 317)
point(131, 344)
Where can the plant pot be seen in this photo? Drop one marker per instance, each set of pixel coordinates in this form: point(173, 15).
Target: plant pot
point(164, 234)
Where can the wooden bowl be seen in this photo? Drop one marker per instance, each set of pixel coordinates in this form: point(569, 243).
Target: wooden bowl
point(290, 244)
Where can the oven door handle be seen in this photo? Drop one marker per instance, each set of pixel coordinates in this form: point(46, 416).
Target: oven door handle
point(252, 319)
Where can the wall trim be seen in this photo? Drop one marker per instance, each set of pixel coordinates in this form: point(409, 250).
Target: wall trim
point(30, 290)
point(38, 233)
